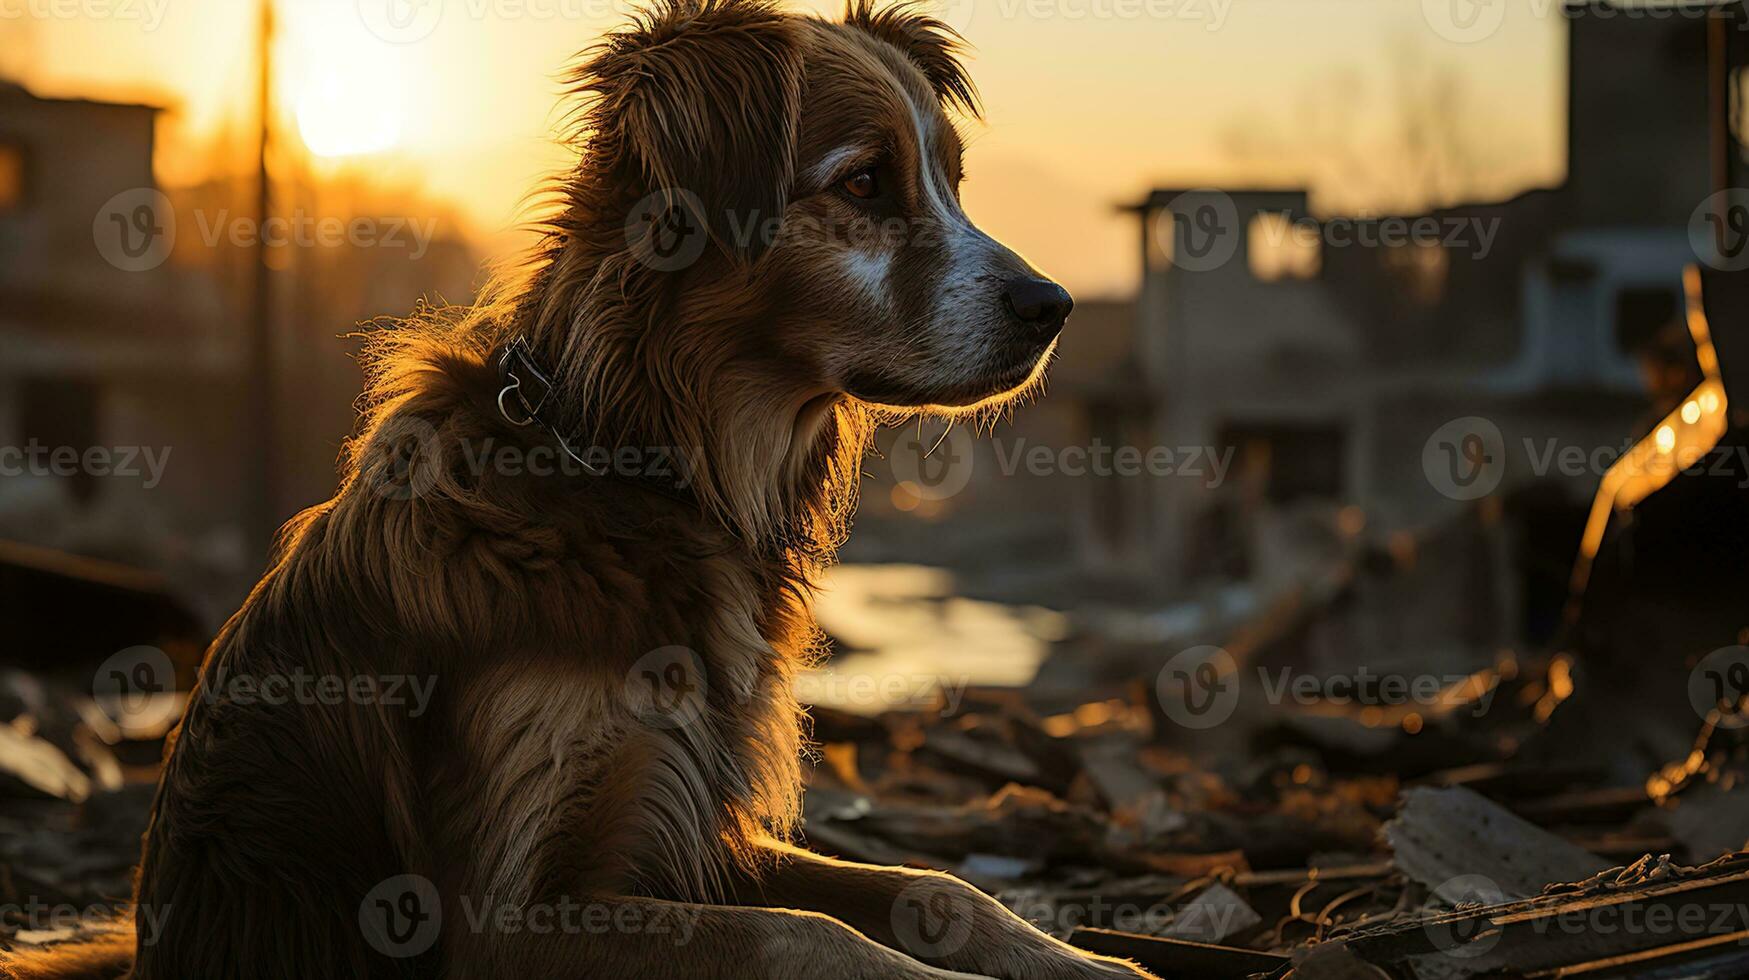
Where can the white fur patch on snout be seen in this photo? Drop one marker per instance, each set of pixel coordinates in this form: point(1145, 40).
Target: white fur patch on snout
point(868, 269)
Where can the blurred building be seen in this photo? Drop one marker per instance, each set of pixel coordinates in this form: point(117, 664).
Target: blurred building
point(124, 308)
point(115, 358)
point(1329, 353)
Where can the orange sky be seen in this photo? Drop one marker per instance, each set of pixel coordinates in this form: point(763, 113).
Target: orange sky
point(1089, 102)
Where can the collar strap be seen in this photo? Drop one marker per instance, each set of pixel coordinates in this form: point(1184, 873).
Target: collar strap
point(525, 389)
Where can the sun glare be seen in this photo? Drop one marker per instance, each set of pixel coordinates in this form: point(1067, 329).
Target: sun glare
point(350, 95)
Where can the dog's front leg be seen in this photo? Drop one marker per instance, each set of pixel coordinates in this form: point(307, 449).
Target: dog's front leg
point(934, 917)
point(639, 938)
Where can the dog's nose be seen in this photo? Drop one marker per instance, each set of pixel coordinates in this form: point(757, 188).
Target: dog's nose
point(1039, 303)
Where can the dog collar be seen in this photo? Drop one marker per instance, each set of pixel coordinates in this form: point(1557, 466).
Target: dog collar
point(522, 401)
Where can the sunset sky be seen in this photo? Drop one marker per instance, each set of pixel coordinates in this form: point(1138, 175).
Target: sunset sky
point(1089, 102)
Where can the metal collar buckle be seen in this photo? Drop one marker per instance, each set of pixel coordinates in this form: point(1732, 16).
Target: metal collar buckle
point(517, 368)
point(523, 378)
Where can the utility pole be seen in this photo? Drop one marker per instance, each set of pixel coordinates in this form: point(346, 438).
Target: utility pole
point(260, 381)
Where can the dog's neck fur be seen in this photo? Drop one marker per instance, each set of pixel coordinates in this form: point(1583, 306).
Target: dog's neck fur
point(772, 459)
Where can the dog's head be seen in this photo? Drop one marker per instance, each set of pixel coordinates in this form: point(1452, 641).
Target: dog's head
point(801, 177)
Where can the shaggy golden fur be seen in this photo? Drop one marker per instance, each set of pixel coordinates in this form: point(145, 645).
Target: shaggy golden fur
point(612, 723)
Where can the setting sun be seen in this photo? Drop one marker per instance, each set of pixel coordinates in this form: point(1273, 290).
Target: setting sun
point(349, 100)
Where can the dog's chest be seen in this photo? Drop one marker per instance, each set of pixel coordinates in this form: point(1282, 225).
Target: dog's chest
point(650, 765)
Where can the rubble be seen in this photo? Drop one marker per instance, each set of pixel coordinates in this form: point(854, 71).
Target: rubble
point(1465, 836)
point(1304, 838)
point(1441, 837)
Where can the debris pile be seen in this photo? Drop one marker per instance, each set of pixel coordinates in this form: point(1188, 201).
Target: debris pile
point(1234, 809)
point(1299, 857)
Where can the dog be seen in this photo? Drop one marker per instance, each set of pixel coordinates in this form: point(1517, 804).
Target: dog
point(586, 514)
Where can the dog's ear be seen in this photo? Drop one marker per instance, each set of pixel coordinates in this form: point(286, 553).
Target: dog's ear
point(932, 46)
point(702, 96)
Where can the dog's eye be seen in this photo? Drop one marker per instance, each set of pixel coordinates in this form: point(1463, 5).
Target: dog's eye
point(862, 184)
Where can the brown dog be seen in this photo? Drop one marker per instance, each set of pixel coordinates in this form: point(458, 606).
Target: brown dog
point(761, 244)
